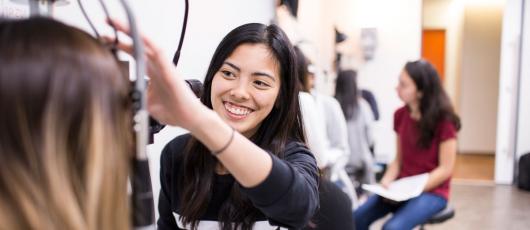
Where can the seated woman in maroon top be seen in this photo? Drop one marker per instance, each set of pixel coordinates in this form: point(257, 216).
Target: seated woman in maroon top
point(426, 128)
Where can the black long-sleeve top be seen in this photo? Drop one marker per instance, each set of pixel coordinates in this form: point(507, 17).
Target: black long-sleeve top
point(288, 197)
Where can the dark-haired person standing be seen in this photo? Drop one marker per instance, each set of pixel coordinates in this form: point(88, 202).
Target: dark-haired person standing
point(426, 130)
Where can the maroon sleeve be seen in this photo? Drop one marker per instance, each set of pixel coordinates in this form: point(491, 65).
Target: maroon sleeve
point(446, 130)
point(398, 117)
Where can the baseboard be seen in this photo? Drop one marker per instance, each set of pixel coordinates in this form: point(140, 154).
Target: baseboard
point(476, 153)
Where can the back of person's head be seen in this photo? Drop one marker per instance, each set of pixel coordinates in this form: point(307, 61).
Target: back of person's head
point(302, 64)
point(65, 134)
point(346, 92)
point(434, 103)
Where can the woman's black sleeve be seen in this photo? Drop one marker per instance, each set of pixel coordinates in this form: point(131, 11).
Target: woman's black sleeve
point(289, 194)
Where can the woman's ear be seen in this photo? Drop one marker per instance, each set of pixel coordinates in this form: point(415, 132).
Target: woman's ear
point(419, 94)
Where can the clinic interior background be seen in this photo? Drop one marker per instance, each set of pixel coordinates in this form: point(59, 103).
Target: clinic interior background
point(489, 87)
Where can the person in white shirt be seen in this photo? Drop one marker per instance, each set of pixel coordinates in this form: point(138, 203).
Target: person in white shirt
point(359, 122)
point(325, 127)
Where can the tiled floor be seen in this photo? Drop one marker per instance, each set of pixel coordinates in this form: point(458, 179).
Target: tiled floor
point(478, 202)
point(486, 207)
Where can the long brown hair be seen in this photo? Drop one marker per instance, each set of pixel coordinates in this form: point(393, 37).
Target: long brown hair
point(64, 141)
point(283, 123)
point(435, 105)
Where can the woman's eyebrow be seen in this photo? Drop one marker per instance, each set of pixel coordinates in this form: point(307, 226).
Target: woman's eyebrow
point(265, 75)
point(258, 73)
point(233, 66)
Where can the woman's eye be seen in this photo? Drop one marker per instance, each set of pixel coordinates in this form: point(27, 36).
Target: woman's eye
point(261, 84)
point(227, 74)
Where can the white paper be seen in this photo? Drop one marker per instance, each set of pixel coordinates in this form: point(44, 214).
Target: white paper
point(402, 189)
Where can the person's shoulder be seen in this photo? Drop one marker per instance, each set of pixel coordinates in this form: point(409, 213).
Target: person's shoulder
point(365, 110)
point(330, 100)
point(446, 123)
point(331, 104)
point(176, 146)
point(399, 115)
point(363, 103)
point(365, 93)
point(446, 129)
point(400, 112)
point(294, 147)
point(179, 141)
point(305, 97)
point(308, 106)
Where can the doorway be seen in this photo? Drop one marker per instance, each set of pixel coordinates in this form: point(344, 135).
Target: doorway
point(462, 40)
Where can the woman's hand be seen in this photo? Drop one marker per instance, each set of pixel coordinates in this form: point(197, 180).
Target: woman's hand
point(169, 99)
point(385, 183)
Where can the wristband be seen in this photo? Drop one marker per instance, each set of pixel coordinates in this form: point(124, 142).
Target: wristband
point(215, 153)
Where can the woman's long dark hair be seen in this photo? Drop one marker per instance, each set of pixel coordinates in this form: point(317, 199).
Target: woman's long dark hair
point(282, 124)
point(435, 105)
point(346, 92)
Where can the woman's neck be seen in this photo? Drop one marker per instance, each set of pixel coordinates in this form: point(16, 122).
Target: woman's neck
point(415, 111)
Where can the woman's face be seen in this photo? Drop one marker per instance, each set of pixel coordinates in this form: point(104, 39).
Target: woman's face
point(406, 89)
point(245, 88)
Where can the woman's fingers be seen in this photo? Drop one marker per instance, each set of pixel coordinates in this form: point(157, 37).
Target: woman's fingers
point(150, 48)
point(127, 48)
point(153, 54)
point(120, 26)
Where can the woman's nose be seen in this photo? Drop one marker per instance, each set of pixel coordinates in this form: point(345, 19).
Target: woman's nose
point(240, 91)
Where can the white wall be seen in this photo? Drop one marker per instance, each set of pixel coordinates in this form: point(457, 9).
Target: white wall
point(513, 138)
point(479, 77)
point(508, 87)
point(453, 58)
point(523, 124)
point(317, 26)
point(312, 31)
point(436, 14)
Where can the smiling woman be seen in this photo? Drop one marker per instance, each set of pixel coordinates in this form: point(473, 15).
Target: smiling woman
point(263, 176)
point(246, 87)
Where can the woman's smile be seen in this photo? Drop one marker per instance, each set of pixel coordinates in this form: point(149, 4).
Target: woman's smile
point(236, 112)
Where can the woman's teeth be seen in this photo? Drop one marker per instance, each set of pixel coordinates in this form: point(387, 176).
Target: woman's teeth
point(237, 110)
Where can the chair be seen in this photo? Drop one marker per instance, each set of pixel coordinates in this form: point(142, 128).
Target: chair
point(447, 213)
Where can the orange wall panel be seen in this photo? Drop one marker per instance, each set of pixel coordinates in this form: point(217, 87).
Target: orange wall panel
point(433, 49)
